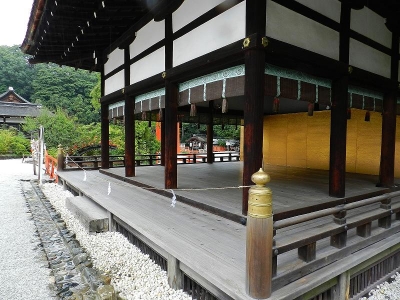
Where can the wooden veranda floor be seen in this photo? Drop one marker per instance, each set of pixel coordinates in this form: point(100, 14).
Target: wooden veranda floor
point(294, 189)
point(210, 249)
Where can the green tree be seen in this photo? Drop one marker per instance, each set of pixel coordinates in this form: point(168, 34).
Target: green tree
point(65, 88)
point(58, 129)
point(15, 71)
point(12, 142)
point(95, 95)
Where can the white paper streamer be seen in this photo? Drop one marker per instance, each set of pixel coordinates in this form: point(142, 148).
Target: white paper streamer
point(173, 199)
point(84, 175)
point(109, 188)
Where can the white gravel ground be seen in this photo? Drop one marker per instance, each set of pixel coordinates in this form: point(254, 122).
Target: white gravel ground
point(23, 276)
point(133, 274)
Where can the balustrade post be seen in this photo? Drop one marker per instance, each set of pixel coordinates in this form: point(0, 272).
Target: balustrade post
point(194, 158)
point(339, 240)
point(60, 159)
point(386, 222)
point(259, 238)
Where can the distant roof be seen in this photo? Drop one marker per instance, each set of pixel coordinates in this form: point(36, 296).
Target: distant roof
point(14, 105)
point(12, 96)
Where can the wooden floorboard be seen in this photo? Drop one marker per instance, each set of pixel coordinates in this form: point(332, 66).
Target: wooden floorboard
point(207, 244)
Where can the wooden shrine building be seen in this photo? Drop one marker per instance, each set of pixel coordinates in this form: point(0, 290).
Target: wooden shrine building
point(14, 108)
point(314, 84)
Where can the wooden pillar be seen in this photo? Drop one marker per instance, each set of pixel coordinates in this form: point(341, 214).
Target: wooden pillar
point(254, 95)
point(171, 135)
point(163, 138)
point(171, 113)
point(259, 238)
point(386, 171)
point(210, 133)
point(129, 137)
point(129, 115)
point(105, 150)
point(337, 161)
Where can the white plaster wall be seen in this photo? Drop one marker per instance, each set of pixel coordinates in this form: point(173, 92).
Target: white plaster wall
point(114, 83)
point(369, 59)
point(328, 8)
point(288, 26)
point(191, 10)
point(147, 36)
point(150, 65)
point(222, 30)
point(115, 59)
point(371, 25)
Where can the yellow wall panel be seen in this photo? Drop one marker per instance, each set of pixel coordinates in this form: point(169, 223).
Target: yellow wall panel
point(351, 145)
point(296, 141)
point(303, 141)
point(318, 140)
point(277, 128)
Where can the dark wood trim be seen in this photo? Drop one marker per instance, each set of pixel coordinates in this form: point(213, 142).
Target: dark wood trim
point(254, 95)
point(210, 133)
point(388, 145)
point(171, 109)
point(102, 82)
point(148, 51)
point(115, 71)
point(171, 113)
point(127, 67)
point(147, 85)
point(292, 56)
point(344, 39)
point(105, 150)
point(209, 15)
point(130, 137)
point(163, 138)
point(224, 57)
point(309, 13)
point(369, 42)
point(337, 161)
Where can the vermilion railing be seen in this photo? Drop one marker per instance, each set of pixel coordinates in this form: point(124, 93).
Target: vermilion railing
point(51, 166)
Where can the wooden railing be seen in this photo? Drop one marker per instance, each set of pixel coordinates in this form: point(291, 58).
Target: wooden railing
point(363, 222)
point(94, 161)
point(51, 166)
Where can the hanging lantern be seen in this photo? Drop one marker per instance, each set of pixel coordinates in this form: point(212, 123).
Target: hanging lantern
point(224, 105)
point(275, 106)
point(144, 116)
point(367, 116)
point(310, 109)
point(193, 110)
point(349, 113)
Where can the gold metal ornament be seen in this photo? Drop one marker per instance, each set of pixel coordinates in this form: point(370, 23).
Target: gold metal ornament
point(260, 197)
point(123, 91)
point(164, 74)
point(264, 41)
point(350, 69)
point(246, 42)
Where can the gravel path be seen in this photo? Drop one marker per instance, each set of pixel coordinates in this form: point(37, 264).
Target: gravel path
point(24, 274)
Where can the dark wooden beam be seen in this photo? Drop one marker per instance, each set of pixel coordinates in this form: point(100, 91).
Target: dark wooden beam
point(171, 112)
point(254, 95)
point(163, 138)
point(129, 120)
point(337, 155)
point(388, 145)
point(105, 150)
point(210, 133)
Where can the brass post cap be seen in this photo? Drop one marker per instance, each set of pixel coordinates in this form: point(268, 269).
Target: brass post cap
point(260, 178)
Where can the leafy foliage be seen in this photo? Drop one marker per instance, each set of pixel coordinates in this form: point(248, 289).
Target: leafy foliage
point(58, 128)
point(12, 142)
point(64, 88)
point(15, 71)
